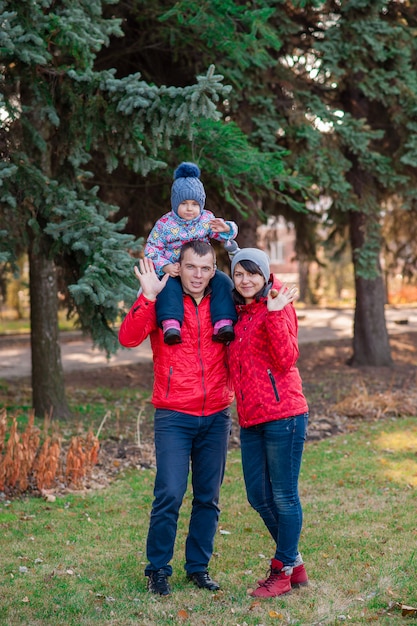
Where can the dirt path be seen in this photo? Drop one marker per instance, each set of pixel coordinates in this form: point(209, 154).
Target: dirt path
point(315, 325)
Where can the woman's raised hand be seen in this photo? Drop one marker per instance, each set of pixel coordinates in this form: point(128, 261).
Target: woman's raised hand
point(277, 300)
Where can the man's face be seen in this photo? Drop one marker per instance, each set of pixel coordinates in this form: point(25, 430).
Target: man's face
point(196, 272)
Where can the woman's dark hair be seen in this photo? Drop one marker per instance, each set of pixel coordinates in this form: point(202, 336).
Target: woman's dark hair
point(252, 268)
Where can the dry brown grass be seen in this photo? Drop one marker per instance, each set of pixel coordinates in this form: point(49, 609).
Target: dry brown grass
point(363, 403)
point(26, 464)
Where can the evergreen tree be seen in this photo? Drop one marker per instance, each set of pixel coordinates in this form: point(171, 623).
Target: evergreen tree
point(58, 111)
point(366, 68)
point(170, 43)
point(330, 85)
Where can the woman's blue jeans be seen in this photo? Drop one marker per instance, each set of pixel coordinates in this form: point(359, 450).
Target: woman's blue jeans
point(181, 440)
point(271, 460)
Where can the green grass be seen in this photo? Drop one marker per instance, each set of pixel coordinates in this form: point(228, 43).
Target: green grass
point(80, 560)
point(10, 326)
point(88, 409)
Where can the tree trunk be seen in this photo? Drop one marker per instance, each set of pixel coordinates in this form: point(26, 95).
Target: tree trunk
point(48, 389)
point(247, 237)
point(370, 336)
point(306, 294)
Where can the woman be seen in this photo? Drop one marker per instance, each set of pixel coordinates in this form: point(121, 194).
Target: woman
point(272, 409)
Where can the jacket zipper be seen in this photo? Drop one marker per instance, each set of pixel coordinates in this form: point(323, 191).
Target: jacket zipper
point(201, 360)
point(169, 381)
point(274, 385)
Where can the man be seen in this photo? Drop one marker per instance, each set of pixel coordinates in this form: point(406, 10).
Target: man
point(192, 396)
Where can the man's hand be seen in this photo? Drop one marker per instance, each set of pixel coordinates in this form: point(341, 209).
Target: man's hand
point(173, 269)
point(218, 225)
point(277, 300)
point(149, 281)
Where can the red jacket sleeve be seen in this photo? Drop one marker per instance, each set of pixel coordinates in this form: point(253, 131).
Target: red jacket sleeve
point(138, 323)
point(282, 329)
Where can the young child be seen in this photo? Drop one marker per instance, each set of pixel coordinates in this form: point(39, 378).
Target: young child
point(188, 220)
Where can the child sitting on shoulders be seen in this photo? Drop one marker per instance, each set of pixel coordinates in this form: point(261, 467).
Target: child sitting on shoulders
point(189, 220)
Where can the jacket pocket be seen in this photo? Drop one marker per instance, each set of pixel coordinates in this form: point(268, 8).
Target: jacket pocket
point(274, 384)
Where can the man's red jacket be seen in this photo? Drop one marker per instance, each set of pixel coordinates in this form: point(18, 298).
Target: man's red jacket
point(192, 376)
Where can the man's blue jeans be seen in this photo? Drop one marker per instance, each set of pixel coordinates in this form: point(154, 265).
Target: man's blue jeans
point(179, 440)
point(271, 460)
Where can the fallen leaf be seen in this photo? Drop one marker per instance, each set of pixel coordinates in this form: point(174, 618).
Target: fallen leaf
point(25, 599)
point(276, 615)
point(254, 605)
point(408, 610)
point(182, 614)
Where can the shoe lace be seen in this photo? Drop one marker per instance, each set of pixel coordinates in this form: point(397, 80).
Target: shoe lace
point(159, 579)
point(205, 576)
point(273, 576)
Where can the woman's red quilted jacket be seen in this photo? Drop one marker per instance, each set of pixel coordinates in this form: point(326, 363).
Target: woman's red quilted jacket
point(262, 361)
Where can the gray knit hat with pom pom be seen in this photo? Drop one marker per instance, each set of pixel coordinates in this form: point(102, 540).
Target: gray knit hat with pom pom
point(187, 186)
point(259, 257)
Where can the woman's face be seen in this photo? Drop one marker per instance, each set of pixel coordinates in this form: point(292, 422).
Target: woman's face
point(247, 284)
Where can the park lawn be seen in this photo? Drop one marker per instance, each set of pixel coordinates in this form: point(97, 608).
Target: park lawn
point(10, 325)
point(80, 560)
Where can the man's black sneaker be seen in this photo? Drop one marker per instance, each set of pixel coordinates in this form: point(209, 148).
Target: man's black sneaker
point(203, 580)
point(158, 583)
